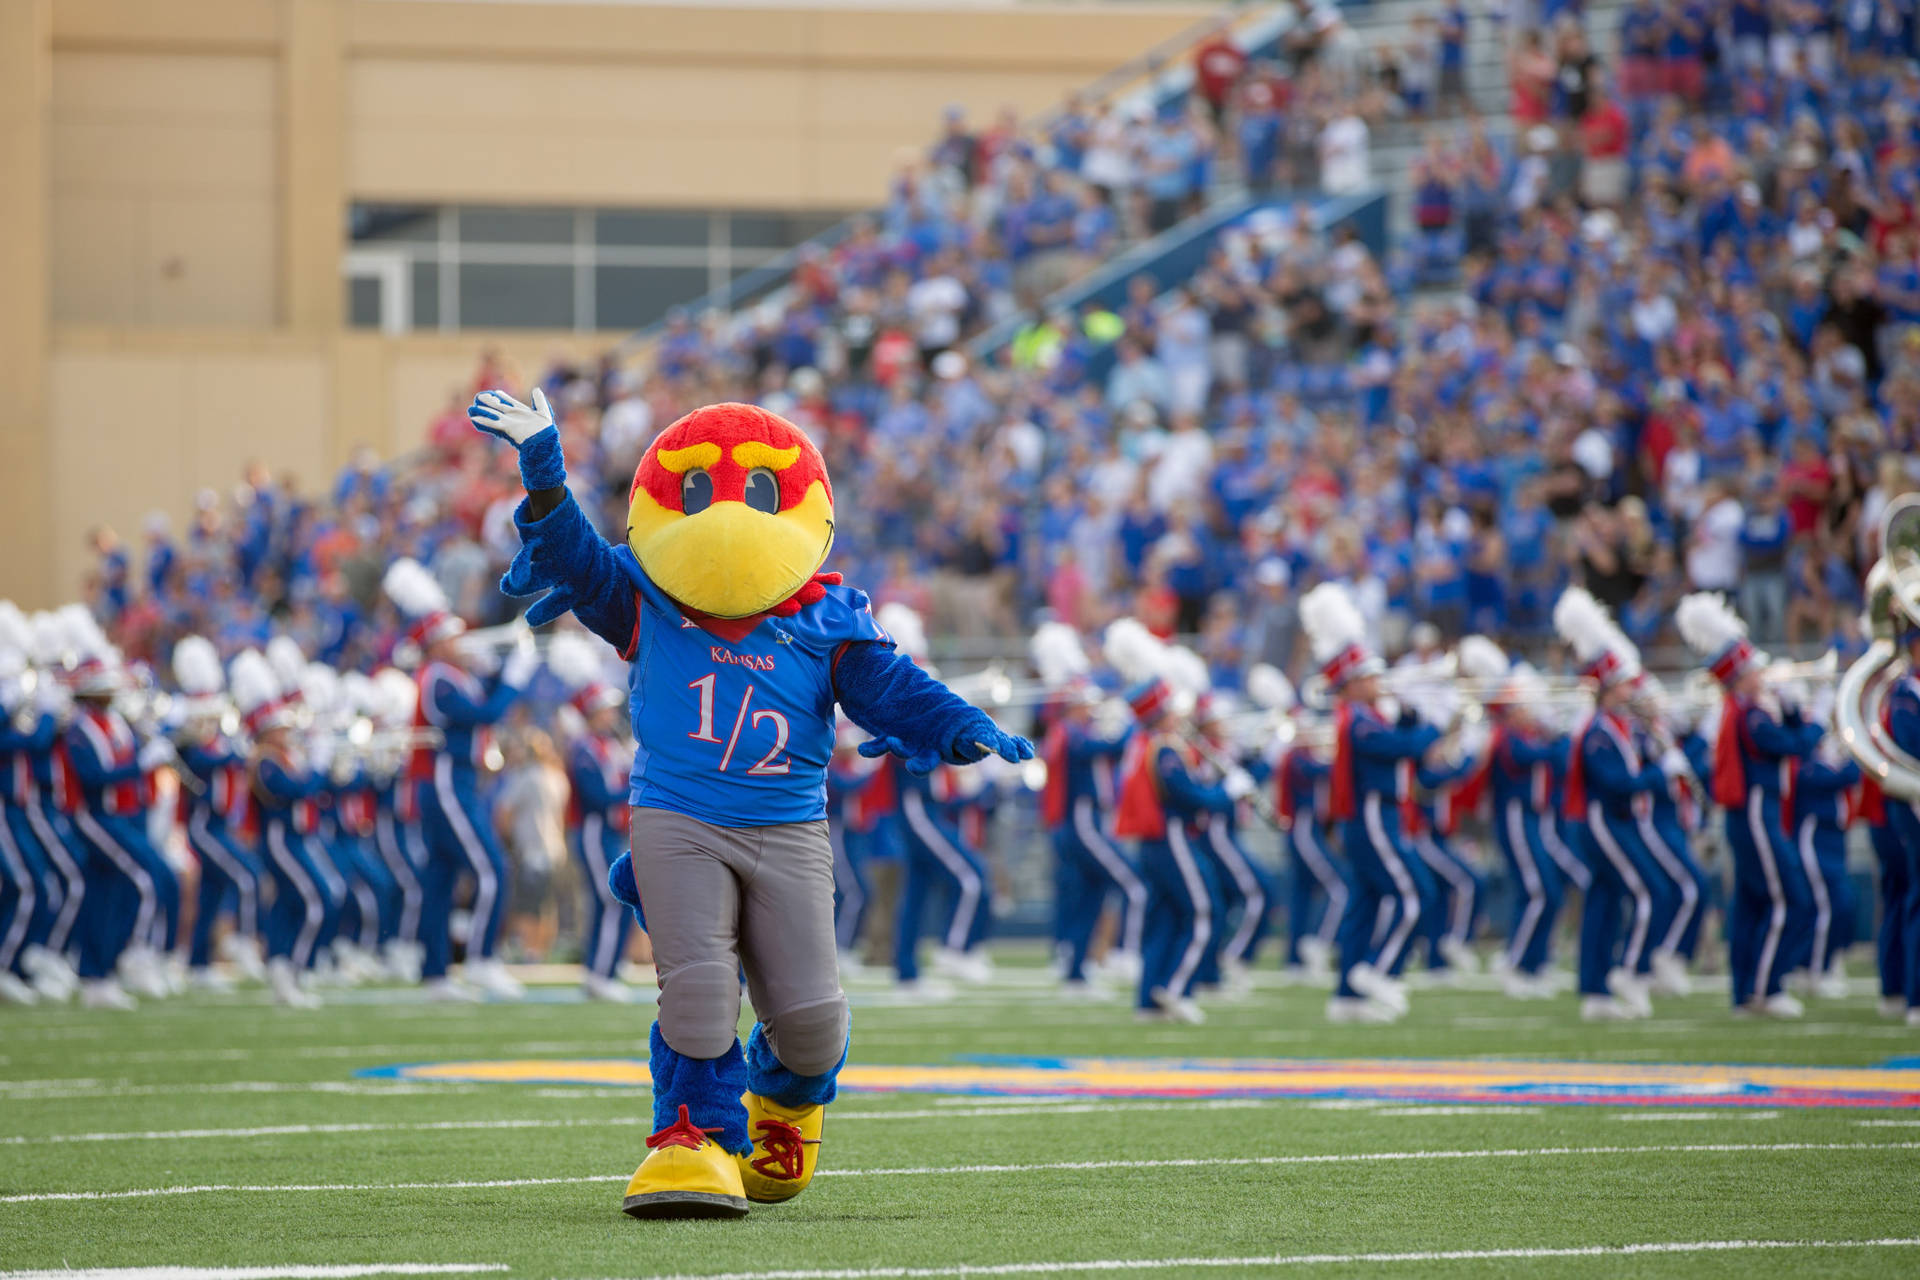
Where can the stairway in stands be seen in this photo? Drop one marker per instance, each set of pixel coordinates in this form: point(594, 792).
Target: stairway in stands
point(1389, 23)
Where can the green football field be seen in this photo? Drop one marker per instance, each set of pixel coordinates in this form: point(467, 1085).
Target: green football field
point(218, 1132)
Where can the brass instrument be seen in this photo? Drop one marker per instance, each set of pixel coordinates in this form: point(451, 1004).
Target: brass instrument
point(1893, 603)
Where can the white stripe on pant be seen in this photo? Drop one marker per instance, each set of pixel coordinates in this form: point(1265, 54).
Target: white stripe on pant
point(1249, 885)
point(1202, 910)
point(1564, 858)
point(201, 839)
point(386, 838)
point(1623, 866)
point(487, 887)
point(1777, 917)
point(1530, 877)
point(928, 831)
point(301, 952)
point(592, 828)
point(1133, 919)
point(1306, 843)
point(1389, 856)
point(1822, 902)
point(128, 866)
point(1440, 864)
point(25, 904)
point(1676, 871)
point(62, 858)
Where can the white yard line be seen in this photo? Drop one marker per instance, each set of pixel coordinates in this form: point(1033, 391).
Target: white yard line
point(1367, 1157)
point(839, 1117)
point(1888, 1124)
point(345, 1272)
point(54, 1090)
point(1725, 1113)
point(1294, 1260)
point(1459, 1111)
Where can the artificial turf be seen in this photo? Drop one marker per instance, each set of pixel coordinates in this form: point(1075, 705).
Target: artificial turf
point(232, 1063)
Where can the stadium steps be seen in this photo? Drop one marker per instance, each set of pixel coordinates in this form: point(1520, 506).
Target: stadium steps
point(1398, 144)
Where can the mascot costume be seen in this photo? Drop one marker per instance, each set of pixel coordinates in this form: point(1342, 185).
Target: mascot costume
point(738, 649)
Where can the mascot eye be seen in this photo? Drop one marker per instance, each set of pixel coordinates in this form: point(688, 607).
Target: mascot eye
point(696, 492)
point(763, 491)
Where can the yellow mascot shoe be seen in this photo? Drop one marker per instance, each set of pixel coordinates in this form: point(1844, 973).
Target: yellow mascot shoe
point(686, 1175)
point(786, 1146)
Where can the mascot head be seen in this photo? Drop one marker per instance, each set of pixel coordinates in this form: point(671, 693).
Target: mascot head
point(731, 512)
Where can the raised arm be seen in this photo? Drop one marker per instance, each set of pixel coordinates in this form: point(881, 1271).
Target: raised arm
point(446, 705)
point(561, 554)
point(1609, 773)
point(1402, 742)
point(1790, 736)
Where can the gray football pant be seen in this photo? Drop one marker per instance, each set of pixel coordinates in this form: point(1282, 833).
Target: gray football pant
point(722, 899)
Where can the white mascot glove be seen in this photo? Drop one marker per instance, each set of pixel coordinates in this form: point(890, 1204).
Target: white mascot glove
point(499, 414)
point(1238, 784)
point(517, 671)
point(157, 752)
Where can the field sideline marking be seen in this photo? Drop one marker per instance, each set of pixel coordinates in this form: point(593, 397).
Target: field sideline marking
point(1293, 1260)
point(340, 1272)
point(1196, 1162)
point(55, 1090)
point(975, 1111)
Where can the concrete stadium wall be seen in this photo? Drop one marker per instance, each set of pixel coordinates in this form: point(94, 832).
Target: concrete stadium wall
point(178, 175)
point(144, 419)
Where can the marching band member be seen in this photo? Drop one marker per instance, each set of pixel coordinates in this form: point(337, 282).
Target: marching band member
point(1365, 791)
point(45, 794)
point(1248, 890)
point(938, 860)
point(282, 782)
point(1429, 821)
point(213, 795)
point(131, 889)
point(1081, 747)
point(1823, 792)
point(28, 890)
point(396, 830)
point(1521, 763)
point(1903, 727)
point(1759, 746)
point(345, 809)
point(459, 833)
point(1607, 783)
point(1889, 941)
point(1162, 805)
point(598, 757)
point(1300, 800)
point(1669, 815)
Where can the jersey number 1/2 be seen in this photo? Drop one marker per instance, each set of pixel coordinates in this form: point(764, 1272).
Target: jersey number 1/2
point(766, 767)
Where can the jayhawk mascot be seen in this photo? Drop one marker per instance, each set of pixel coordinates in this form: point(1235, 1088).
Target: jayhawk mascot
point(739, 648)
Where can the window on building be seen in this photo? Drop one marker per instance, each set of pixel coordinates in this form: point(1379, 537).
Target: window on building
point(483, 266)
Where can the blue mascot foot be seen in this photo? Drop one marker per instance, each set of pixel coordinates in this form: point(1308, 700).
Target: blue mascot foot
point(708, 1088)
point(767, 1078)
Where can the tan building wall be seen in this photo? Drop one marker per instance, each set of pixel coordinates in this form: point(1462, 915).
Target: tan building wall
point(179, 175)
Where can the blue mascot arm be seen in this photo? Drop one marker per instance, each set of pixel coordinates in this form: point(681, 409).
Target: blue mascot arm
point(563, 555)
point(914, 716)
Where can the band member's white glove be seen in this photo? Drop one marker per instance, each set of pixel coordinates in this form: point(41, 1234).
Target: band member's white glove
point(1674, 763)
point(156, 752)
point(517, 671)
point(320, 753)
point(51, 697)
point(1238, 784)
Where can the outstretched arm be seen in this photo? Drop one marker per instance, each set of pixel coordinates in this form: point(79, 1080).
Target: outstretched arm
point(560, 553)
point(911, 714)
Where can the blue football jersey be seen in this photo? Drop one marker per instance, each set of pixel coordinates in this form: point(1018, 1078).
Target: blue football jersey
point(737, 733)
